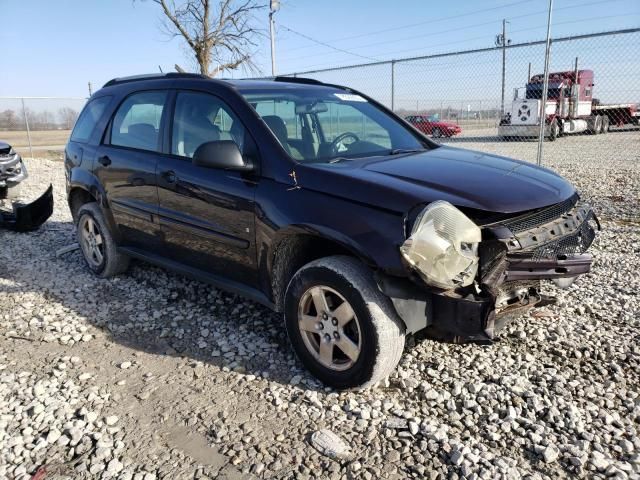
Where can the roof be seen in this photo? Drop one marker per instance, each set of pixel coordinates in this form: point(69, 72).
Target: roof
point(152, 76)
point(241, 84)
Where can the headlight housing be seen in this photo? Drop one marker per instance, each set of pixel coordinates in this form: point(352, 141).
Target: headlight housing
point(443, 246)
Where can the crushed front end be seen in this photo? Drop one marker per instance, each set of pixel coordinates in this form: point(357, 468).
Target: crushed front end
point(12, 169)
point(509, 261)
point(21, 217)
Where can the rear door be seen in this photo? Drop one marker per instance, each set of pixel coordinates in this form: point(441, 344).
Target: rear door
point(126, 166)
point(206, 214)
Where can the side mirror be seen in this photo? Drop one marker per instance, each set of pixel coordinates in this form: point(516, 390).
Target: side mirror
point(223, 154)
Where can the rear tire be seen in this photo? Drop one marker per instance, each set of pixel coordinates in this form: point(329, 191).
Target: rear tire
point(436, 132)
point(354, 338)
point(97, 245)
point(605, 124)
point(554, 131)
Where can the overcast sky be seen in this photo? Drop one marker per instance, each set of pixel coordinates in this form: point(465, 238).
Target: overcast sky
point(53, 48)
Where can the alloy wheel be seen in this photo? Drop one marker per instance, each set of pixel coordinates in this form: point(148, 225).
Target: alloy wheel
point(329, 328)
point(91, 241)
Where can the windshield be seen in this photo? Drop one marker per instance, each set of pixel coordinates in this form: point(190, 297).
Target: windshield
point(328, 125)
point(534, 91)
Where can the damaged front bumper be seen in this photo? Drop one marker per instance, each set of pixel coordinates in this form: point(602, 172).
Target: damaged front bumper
point(515, 256)
point(12, 169)
point(26, 217)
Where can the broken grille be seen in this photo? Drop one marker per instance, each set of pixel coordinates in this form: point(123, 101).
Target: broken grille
point(576, 243)
point(535, 219)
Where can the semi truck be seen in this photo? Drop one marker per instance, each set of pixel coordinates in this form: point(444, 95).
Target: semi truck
point(569, 108)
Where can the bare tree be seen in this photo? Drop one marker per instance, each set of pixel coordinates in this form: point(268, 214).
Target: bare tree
point(68, 117)
point(9, 120)
point(221, 36)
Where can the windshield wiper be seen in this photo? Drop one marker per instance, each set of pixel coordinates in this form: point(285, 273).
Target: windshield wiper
point(337, 159)
point(399, 151)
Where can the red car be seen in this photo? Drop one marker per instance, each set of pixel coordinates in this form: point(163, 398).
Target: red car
point(431, 126)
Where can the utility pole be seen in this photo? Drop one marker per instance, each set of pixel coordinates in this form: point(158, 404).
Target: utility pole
point(503, 41)
point(274, 6)
point(90, 91)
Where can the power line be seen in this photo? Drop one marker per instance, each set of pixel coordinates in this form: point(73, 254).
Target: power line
point(326, 44)
point(404, 39)
point(313, 66)
point(430, 34)
point(441, 19)
point(567, 38)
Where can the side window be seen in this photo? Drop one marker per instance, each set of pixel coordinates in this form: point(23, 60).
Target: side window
point(201, 118)
point(286, 110)
point(136, 124)
point(88, 119)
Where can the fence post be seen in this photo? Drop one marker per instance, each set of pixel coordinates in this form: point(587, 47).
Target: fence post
point(545, 87)
point(26, 123)
point(393, 84)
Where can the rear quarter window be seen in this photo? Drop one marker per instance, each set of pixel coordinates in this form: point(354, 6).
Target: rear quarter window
point(87, 120)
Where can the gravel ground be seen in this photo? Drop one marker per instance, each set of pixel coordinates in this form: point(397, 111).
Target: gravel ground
point(151, 375)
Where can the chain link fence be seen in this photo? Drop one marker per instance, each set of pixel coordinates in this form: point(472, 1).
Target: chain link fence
point(35, 125)
point(457, 97)
point(454, 97)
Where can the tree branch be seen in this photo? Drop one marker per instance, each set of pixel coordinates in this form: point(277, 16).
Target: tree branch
point(223, 36)
point(173, 18)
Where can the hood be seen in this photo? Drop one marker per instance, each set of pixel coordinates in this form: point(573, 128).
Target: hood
point(463, 178)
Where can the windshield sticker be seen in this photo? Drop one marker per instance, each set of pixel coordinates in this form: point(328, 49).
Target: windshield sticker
point(349, 97)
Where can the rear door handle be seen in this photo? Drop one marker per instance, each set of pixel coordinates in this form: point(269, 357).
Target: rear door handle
point(105, 161)
point(169, 176)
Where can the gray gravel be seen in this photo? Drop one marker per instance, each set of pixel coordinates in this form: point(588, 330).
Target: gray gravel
point(151, 375)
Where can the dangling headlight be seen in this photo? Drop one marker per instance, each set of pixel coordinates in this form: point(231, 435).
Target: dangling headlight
point(443, 246)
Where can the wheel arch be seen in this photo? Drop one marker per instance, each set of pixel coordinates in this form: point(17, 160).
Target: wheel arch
point(84, 187)
point(298, 245)
point(84, 180)
point(77, 197)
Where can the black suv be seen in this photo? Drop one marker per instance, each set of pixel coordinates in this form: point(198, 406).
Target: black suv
point(320, 203)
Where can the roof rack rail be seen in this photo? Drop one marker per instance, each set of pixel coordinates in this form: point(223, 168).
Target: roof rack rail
point(151, 76)
point(308, 81)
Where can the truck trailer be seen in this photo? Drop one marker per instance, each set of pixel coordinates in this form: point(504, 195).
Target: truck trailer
point(569, 108)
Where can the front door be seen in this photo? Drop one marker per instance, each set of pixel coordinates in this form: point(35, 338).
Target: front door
point(126, 166)
point(206, 215)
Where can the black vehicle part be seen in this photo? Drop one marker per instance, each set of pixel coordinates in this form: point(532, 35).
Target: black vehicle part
point(445, 315)
point(459, 316)
point(27, 217)
point(463, 320)
point(525, 268)
point(541, 216)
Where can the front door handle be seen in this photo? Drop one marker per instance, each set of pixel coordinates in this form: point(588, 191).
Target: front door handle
point(169, 176)
point(104, 160)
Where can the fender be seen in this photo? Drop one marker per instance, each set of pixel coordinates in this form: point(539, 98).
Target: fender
point(320, 232)
point(87, 181)
point(292, 246)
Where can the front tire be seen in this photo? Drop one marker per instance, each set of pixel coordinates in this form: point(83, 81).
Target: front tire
point(97, 244)
point(343, 329)
point(436, 133)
